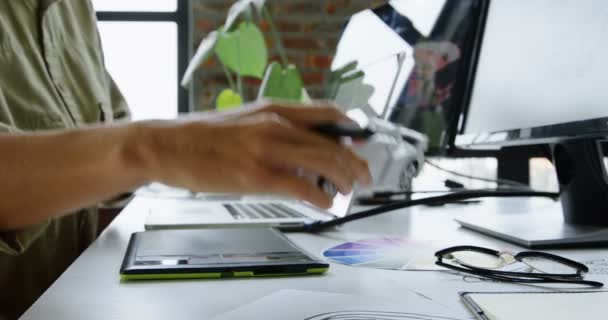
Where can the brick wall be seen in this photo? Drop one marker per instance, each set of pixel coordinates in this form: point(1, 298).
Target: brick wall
point(309, 28)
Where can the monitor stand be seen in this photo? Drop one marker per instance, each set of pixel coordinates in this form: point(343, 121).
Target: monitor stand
point(582, 218)
point(545, 230)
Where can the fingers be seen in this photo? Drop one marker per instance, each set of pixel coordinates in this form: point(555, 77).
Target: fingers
point(312, 152)
point(285, 183)
point(306, 115)
point(326, 164)
point(261, 118)
point(262, 150)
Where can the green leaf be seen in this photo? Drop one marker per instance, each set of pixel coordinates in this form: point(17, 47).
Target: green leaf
point(341, 75)
point(282, 83)
point(228, 99)
point(204, 51)
point(239, 8)
point(355, 94)
point(349, 67)
point(305, 99)
point(432, 123)
point(243, 50)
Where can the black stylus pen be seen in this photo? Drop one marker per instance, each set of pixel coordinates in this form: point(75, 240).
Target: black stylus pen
point(343, 129)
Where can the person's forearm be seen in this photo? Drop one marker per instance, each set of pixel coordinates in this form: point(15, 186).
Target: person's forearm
point(51, 174)
point(257, 150)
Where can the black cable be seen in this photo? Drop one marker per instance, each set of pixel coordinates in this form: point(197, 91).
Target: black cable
point(456, 196)
point(387, 201)
point(386, 194)
point(462, 175)
point(449, 183)
point(508, 185)
point(386, 197)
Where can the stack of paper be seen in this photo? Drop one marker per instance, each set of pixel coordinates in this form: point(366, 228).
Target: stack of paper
point(307, 305)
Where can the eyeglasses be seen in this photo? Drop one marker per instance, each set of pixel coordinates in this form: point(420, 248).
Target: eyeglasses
point(524, 267)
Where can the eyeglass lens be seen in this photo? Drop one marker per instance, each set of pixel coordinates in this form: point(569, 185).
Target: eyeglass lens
point(477, 259)
point(544, 265)
point(492, 262)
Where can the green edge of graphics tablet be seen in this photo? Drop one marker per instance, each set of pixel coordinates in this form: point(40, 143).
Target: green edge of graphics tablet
point(215, 253)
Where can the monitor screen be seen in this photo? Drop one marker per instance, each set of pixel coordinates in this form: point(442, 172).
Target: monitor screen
point(433, 79)
point(411, 63)
point(541, 66)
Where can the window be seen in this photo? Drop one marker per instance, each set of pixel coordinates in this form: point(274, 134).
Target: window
point(543, 175)
point(136, 5)
point(146, 51)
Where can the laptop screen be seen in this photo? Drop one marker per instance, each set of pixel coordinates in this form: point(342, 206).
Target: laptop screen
point(376, 55)
point(412, 59)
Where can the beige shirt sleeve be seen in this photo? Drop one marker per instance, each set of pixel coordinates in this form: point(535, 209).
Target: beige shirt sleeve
point(120, 108)
point(6, 128)
point(52, 77)
point(14, 243)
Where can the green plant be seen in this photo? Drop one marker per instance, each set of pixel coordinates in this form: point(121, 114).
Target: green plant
point(241, 49)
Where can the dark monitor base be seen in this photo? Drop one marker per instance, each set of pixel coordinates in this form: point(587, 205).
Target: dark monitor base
point(537, 231)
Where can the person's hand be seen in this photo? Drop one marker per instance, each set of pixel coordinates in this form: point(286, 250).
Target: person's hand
point(261, 149)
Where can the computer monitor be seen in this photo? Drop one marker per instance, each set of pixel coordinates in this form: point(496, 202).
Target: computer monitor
point(541, 78)
point(441, 34)
point(415, 54)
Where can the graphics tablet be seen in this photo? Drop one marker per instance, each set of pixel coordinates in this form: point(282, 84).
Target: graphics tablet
point(215, 253)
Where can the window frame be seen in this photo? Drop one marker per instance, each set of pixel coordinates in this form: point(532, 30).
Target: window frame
point(182, 17)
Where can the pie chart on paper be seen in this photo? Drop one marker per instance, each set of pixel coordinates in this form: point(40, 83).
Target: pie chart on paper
point(384, 253)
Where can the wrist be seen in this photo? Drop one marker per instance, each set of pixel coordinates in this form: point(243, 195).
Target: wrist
point(139, 154)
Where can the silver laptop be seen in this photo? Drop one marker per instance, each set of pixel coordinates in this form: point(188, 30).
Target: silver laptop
point(381, 70)
point(210, 211)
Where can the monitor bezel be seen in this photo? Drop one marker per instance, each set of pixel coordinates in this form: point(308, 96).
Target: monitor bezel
point(585, 129)
point(469, 71)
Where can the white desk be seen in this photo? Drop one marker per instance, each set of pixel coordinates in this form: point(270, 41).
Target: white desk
point(91, 288)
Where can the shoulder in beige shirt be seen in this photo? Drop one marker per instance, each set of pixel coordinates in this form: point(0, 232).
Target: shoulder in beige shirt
point(52, 76)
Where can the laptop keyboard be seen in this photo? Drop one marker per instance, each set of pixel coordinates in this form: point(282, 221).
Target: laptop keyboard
point(244, 211)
